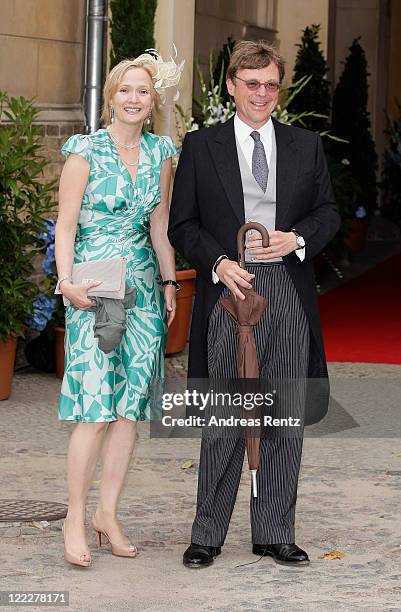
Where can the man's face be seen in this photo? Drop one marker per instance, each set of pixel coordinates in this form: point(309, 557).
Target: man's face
point(254, 107)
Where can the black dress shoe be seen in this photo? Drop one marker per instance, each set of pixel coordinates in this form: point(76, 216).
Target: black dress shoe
point(197, 555)
point(284, 554)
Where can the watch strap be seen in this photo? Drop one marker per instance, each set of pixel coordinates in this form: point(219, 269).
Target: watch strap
point(218, 261)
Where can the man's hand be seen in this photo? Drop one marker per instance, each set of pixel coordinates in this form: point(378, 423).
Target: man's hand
point(234, 277)
point(281, 244)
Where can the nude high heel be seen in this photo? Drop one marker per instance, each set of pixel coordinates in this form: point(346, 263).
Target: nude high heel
point(73, 558)
point(119, 551)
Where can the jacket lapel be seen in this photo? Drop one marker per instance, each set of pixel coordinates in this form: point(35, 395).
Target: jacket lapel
point(286, 171)
point(224, 154)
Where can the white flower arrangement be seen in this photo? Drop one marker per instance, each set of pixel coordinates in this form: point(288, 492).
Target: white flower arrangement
point(210, 103)
point(213, 111)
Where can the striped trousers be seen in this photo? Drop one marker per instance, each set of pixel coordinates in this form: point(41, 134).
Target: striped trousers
point(282, 340)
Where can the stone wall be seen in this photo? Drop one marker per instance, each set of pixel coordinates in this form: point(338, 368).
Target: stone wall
point(42, 51)
point(216, 21)
point(53, 137)
point(43, 58)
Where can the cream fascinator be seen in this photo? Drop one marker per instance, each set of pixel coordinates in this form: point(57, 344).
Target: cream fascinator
point(167, 74)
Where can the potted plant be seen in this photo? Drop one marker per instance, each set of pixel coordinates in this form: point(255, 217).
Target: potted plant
point(24, 199)
point(46, 352)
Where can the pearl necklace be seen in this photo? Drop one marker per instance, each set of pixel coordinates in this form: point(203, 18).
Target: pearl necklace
point(114, 139)
point(134, 164)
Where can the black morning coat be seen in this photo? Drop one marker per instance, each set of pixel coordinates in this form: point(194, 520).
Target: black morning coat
point(207, 210)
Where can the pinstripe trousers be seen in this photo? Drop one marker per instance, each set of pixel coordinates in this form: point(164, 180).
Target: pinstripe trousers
point(282, 340)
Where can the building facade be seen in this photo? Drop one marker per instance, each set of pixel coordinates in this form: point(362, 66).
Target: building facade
point(43, 57)
point(43, 50)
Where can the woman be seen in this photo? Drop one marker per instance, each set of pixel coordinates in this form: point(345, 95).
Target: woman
point(113, 201)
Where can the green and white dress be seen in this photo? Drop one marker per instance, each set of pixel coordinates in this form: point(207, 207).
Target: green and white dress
point(114, 221)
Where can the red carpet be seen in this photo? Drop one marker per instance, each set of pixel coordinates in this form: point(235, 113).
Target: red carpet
point(361, 319)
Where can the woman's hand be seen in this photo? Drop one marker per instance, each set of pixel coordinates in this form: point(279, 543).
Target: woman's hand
point(170, 298)
point(78, 294)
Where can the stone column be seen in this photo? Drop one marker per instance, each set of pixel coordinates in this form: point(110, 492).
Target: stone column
point(394, 60)
point(292, 18)
point(174, 24)
point(368, 19)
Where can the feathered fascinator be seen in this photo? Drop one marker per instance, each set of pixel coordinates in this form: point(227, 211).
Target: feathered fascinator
point(167, 74)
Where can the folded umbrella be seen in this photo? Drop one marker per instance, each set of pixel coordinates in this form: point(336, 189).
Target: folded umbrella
point(246, 313)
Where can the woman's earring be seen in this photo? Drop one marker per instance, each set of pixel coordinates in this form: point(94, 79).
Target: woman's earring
point(111, 114)
point(149, 118)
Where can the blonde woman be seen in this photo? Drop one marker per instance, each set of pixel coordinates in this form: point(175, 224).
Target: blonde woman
point(113, 201)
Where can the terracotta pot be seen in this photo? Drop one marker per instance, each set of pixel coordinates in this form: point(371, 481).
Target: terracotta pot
point(8, 349)
point(179, 329)
point(59, 350)
point(356, 239)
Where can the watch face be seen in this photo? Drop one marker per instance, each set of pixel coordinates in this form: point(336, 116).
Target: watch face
point(300, 241)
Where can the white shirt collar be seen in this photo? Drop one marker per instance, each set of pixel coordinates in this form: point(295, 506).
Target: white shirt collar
point(243, 131)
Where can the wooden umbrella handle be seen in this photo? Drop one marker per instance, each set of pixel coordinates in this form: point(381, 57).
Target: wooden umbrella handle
point(241, 239)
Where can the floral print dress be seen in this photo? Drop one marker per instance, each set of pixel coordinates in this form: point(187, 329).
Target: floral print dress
point(114, 221)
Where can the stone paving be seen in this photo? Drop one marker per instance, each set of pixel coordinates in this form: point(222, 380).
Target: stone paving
point(349, 500)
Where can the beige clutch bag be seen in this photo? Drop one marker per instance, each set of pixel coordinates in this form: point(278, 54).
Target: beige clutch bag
point(110, 271)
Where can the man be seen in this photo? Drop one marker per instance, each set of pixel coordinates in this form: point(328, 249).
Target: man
point(254, 168)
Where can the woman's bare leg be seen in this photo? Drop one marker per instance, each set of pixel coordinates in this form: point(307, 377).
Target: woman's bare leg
point(117, 451)
point(83, 452)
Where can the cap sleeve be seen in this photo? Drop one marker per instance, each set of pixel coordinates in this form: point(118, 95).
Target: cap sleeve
point(78, 144)
point(168, 148)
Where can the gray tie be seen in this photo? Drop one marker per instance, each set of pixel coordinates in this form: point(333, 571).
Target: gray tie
point(260, 169)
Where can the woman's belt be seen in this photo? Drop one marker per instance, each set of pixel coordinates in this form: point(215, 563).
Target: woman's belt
point(114, 233)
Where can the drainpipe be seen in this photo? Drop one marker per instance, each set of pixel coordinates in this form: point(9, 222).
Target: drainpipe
point(95, 20)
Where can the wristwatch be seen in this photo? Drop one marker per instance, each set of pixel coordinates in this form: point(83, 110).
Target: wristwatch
point(169, 281)
point(300, 239)
point(218, 261)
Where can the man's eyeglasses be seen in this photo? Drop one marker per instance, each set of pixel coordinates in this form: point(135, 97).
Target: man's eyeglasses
point(254, 85)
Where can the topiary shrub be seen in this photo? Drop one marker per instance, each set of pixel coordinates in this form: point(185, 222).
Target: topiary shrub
point(316, 93)
point(351, 121)
point(131, 28)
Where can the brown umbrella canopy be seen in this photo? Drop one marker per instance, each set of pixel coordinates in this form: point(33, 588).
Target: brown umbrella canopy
point(246, 313)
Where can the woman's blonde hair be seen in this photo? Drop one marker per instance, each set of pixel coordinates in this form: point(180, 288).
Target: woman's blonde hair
point(115, 77)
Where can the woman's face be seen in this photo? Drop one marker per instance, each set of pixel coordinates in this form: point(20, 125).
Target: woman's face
point(133, 99)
